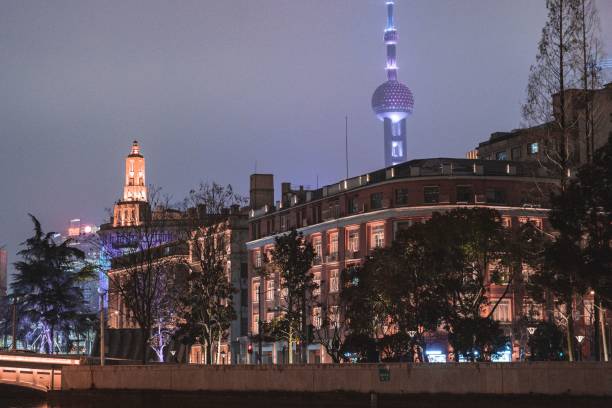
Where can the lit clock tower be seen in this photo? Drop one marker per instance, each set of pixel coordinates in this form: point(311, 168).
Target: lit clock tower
point(135, 188)
point(133, 206)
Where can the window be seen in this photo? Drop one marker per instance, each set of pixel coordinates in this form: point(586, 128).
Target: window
point(257, 259)
point(516, 153)
point(333, 281)
point(464, 194)
point(503, 312)
point(501, 155)
point(402, 226)
point(316, 317)
point(352, 244)
point(378, 236)
point(270, 289)
point(332, 245)
point(495, 196)
point(401, 196)
point(318, 248)
point(534, 148)
point(269, 316)
point(532, 311)
point(316, 279)
point(431, 194)
point(334, 316)
point(376, 201)
point(353, 205)
point(255, 328)
point(256, 291)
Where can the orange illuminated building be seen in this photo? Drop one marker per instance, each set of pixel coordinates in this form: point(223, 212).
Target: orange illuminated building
point(347, 220)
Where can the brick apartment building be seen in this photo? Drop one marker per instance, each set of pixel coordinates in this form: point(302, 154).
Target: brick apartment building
point(345, 221)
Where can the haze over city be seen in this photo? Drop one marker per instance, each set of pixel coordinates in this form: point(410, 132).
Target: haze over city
point(213, 90)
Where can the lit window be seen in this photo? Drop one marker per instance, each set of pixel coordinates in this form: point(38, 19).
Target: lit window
point(333, 281)
point(270, 289)
point(255, 328)
point(378, 236)
point(503, 312)
point(333, 244)
point(353, 243)
point(318, 249)
point(317, 283)
point(534, 148)
point(316, 317)
point(269, 316)
point(256, 291)
point(257, 259)
point(334, 316)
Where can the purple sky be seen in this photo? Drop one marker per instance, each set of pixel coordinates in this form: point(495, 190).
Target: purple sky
point(211, 87)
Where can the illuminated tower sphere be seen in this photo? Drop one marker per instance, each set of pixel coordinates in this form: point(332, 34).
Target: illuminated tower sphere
point(393, 101)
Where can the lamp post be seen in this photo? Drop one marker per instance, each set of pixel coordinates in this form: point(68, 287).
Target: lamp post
point(530, 330)
point(14, 328)
point(102, 292)
point(580, 338)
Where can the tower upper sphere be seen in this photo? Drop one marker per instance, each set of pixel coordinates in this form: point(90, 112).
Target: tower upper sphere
point(392, 100)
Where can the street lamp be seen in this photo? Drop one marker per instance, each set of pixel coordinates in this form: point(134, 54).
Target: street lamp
point(102, 292)
point(580, 338)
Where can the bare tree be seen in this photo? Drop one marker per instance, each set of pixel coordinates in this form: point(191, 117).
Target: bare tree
point(146, 267)
point(587, 53)
point(555, 71)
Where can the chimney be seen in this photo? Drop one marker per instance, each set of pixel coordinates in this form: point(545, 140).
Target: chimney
point(261, 191)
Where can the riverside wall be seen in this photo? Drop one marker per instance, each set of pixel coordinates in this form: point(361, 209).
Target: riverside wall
point(550, 378)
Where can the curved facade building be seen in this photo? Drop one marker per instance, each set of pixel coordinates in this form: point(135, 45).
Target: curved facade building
point(347, 220)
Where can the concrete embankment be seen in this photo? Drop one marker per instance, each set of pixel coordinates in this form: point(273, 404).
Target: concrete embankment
point(549, 378)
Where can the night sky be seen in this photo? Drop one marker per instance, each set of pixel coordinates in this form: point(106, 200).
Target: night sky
point(210, 88)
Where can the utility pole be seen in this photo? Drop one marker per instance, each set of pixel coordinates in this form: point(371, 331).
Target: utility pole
point(101, 292)
point(346, 145)
point(259, 322)
point(14, 331)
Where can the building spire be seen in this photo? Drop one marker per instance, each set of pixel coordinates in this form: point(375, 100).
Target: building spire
point(391, 43)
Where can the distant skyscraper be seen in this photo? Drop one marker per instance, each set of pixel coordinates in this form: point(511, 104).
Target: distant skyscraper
point(3, 272)
point(393, 101)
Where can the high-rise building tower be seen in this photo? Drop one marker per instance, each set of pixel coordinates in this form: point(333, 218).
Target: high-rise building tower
point(393, 101)
point(132, 207)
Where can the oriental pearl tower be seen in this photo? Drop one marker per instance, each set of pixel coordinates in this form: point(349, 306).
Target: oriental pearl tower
point(393, 101)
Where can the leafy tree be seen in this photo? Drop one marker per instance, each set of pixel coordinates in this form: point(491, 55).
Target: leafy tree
point(292, 258)
point(546, 343)
point(46, 284)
